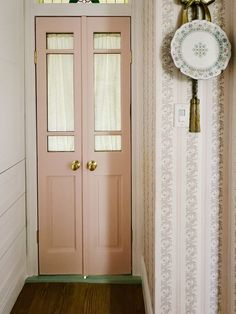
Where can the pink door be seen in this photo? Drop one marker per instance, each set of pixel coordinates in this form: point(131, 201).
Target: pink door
point(84, 169)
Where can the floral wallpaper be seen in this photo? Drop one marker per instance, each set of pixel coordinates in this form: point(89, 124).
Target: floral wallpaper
point(190, 181)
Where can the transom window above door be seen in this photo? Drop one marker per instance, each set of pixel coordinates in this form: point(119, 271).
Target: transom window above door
point(83, 1)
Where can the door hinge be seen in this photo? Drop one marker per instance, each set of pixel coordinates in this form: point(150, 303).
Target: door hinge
point(131, 56)
point(37, 236)
point(35, 57)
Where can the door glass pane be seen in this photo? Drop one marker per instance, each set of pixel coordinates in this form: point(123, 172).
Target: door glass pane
point(108, 143)
point(107, 41)
point(107, 92)
point(60, 41)
point(60, 92)
point(61, 144)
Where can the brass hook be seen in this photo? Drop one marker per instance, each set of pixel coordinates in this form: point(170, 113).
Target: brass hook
point(206, 2)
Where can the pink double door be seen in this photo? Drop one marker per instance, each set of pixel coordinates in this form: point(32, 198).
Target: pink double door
point(84, 145)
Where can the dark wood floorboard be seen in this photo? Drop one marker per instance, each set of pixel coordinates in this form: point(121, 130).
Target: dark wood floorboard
point(81, 298)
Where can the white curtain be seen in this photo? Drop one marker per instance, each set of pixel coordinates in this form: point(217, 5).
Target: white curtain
point(107, 83)
point(60, 69)
point(107, 93)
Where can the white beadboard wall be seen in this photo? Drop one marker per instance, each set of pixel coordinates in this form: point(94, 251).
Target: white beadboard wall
point(12, 154)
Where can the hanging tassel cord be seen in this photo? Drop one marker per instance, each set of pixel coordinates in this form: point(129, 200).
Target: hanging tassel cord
point(194, 120)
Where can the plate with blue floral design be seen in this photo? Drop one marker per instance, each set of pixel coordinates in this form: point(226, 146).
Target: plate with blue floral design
point(200, 49)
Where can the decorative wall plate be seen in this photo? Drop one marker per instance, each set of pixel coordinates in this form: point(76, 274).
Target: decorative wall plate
point(200, 49)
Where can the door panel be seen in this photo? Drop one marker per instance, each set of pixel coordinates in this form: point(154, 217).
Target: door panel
point(59, 144)
point(83, 112)
point(107, 189)
point(61, 213)
point(108, 197)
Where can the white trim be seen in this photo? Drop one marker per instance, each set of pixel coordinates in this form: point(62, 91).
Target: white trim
point(158, 117)
point(31, 11)
point(137, 135)
point(80, 9)
point(146, 291)
point(31, 158)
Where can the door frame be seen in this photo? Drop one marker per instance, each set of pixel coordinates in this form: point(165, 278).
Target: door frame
point(33, 10)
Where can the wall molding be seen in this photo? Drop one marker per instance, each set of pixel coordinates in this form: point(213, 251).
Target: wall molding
point(146, 290)
point(137, 129)
point(149, 138)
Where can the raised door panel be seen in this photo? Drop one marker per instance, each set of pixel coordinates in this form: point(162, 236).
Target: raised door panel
point(61, 213)
point(109, 201)
point(60, 227)
point(108, 248)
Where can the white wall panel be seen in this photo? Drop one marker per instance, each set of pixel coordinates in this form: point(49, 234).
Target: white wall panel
point(12, 273)
point(12, 156)
point(12, 186)
point(11, 83)
point(12, 222)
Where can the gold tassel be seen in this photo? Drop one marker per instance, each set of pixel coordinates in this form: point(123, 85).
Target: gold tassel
point(194, 121)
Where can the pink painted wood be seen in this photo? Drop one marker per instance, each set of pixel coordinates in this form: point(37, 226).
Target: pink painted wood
point(96, 238)
point(107, 190)
point(59, 188)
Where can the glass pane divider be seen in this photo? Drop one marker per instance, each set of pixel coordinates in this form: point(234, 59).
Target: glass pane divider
point(60, 133)
point(108, 133)
point(107, 51)
point(60, 51)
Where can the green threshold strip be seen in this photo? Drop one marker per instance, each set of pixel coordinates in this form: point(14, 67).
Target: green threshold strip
point(116, 279)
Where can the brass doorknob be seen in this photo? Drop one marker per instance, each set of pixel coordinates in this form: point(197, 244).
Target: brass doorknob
point(75, 165)
point(92, 165)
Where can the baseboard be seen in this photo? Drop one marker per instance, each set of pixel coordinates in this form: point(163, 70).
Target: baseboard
point(146, 290)
point(116, 279)
point(12, 297)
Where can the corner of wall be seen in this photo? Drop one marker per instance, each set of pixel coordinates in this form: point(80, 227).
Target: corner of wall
point(146, 290)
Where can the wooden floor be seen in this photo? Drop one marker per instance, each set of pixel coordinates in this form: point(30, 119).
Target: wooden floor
point(81, 298)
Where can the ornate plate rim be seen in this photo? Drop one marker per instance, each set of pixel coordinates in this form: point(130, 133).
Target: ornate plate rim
point(198, 73)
